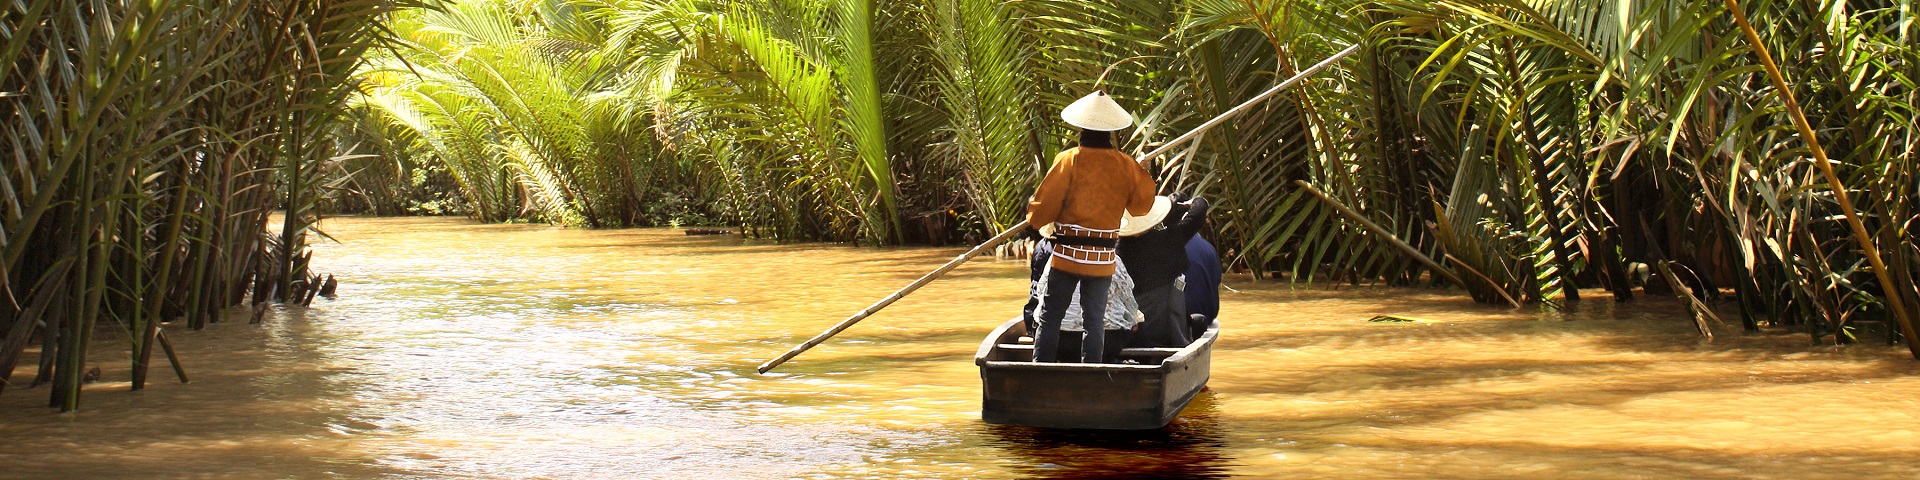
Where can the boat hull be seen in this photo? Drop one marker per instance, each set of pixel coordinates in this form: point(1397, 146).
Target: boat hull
point(1017, 391)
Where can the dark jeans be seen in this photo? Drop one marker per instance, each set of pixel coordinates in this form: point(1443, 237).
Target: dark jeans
point(1053, 308)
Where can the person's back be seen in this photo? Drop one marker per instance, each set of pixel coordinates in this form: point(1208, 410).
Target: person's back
point(1086, 193)
point(1203, 282)
point(1157, 256)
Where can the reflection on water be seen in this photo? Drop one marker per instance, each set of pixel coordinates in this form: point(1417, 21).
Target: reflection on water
point(511, 351)
point(1192, 447)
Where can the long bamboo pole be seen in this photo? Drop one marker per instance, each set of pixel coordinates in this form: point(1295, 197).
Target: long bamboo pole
point(1015, 230)
point(1895, 298)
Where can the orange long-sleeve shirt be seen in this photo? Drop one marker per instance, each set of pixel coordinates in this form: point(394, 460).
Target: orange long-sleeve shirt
point(1092, 188)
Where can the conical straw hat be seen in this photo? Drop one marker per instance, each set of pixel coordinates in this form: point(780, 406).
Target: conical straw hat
point(1097, 111)
point(1131, 225)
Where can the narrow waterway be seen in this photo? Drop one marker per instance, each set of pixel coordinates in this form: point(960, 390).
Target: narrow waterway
point(462, 350)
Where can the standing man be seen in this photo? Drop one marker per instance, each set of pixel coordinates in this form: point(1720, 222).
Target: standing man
point(1081, 201)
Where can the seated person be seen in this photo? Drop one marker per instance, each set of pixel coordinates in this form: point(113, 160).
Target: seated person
point(1154, 249)
point(1202, 286)
point(1122, 313)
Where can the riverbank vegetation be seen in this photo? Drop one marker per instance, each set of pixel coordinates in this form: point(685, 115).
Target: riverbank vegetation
point(146, 144)
point(1525, 145)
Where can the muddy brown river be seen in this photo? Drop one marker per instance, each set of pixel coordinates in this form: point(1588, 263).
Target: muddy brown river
point(464, 350)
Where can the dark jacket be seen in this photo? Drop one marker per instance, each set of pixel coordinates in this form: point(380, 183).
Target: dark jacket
point(1203, 278)
point(1158, 256)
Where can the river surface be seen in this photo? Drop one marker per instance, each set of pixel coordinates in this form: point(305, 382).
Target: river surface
point(463, 350)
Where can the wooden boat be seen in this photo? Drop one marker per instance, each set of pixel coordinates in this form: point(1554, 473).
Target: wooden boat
point(1141, 396)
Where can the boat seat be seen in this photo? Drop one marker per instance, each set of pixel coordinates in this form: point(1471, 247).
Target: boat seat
point(1139, 352)
point(1148, 355)
point(1013, 352)
point(1150, 351)
point(1024, 352)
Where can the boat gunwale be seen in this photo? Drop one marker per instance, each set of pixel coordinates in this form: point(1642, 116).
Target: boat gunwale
point(1091, 367)
point(1204, 342)
point(993, 341)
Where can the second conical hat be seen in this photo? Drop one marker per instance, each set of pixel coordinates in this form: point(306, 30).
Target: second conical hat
point(1132, 225)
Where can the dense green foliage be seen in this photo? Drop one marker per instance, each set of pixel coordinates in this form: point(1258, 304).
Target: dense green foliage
point(146, 145)
point(1526, 144)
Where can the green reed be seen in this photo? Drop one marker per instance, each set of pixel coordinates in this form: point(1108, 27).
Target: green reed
point(147, 143)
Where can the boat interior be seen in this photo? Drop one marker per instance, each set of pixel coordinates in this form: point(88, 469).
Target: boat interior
point(1020, 349)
